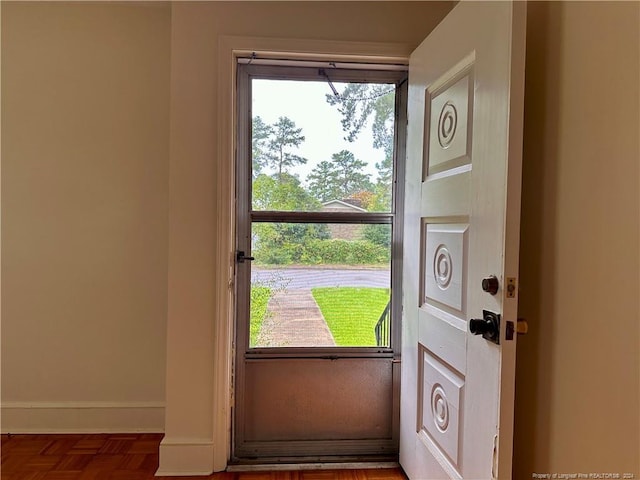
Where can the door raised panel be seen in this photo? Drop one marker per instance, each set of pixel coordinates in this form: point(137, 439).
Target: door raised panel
point(448, 120)
point(441, 405)
point(444, 269)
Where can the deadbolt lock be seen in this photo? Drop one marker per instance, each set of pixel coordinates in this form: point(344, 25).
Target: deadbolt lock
point(521, 327)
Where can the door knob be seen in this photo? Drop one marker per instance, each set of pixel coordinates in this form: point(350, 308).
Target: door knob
point(488, 326)
point(490, 284)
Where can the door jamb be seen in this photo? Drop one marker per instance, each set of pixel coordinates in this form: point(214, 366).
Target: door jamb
point(229, 49)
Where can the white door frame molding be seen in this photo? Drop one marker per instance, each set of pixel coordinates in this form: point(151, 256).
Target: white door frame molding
point(206, 455)
point(229, 50)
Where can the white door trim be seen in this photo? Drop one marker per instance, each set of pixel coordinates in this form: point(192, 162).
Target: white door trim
point(229, 49)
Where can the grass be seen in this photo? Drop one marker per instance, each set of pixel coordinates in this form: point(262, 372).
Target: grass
point(352, 313)
point(259, 298)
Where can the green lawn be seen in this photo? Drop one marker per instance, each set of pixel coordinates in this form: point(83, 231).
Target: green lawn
point(259, 298)
point(352, 313)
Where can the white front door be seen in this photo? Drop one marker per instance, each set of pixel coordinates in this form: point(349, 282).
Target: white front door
point(465, 106)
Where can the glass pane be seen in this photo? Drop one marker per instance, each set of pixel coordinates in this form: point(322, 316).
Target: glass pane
point(314, 151)
point(318, 285)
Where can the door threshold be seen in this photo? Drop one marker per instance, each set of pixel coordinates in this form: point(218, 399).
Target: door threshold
point(311, 466)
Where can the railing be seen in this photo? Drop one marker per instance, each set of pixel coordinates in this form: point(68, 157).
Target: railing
point(383, 327)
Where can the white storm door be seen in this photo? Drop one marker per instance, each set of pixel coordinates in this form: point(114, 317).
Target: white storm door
point(465, 107)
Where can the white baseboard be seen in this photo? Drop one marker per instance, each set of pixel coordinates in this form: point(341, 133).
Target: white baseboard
point(185, 457)
point(82, 417)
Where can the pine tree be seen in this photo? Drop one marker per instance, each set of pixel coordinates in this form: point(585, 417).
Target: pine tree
point(349, 175)
point(284, 139)
point(323, 182)
point(260, 133)
point(339, 178)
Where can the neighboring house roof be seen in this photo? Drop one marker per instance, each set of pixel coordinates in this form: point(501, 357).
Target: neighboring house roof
point(353, 201)
point(342, 204)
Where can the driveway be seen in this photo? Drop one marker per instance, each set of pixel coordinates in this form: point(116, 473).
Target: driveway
point(294, 278)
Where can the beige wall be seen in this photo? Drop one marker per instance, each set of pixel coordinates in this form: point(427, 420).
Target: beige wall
point(578, 404)
point(85, 156)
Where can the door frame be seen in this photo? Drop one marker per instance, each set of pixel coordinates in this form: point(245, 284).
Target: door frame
point(229, 49)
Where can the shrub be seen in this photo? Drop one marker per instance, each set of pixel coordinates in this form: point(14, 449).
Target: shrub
point(378, 234)
point(283, 243)
point(337, 251)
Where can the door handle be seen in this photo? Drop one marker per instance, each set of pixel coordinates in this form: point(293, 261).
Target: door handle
point(240, 257)
point(488, 326)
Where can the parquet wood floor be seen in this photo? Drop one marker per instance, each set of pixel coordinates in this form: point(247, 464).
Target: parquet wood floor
point(127, 457)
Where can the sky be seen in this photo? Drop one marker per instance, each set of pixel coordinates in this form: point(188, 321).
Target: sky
point(305, 104)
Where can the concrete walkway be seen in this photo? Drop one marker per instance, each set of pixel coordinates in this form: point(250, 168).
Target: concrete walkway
point(294, 320)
